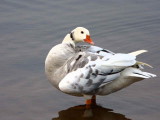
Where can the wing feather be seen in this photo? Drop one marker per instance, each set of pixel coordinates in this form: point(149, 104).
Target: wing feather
point(87, 71)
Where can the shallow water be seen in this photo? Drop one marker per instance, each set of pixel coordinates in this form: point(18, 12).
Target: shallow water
point(28, 30)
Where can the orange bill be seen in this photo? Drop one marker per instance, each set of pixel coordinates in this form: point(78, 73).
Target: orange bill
point(89, 40)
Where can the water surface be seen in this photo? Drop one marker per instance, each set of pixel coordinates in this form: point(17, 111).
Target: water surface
point(29, 29)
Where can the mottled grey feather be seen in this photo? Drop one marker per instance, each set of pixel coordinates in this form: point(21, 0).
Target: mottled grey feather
point(79, 61)
point(93, 77)
point(92, 49)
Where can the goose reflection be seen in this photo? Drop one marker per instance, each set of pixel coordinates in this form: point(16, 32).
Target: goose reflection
point(96, 113)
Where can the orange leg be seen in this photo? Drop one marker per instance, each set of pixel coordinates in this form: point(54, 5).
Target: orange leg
point(91, 102)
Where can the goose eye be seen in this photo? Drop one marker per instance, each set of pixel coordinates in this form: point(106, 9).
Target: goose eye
point(82, 32)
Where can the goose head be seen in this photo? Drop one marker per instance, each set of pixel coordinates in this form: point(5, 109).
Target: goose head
point(79, 34)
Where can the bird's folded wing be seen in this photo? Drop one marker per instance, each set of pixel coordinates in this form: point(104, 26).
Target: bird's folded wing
point(86, 72)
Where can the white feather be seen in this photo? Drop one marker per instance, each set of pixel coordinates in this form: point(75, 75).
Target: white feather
point(120, 60)
point(135, 53)
point(134, 72)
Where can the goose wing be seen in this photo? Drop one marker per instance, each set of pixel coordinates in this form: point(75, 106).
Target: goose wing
point(87, 71)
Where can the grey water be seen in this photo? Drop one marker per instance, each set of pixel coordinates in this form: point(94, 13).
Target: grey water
point(30, 28)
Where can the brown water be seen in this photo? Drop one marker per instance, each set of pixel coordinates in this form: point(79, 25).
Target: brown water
point(28, 30)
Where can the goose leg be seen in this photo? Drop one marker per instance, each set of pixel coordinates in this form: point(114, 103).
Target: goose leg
point(91, 102)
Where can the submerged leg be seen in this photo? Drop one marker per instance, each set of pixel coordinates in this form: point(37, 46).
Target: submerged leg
point(93, 100)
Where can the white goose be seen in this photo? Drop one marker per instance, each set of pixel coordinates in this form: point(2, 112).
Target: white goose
point(89, 70)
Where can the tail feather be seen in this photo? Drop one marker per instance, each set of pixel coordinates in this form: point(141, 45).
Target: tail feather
point(135, 53)
point(134, 72)
point(142, 63)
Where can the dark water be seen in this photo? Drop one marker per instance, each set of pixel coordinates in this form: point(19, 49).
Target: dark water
point(28, 30)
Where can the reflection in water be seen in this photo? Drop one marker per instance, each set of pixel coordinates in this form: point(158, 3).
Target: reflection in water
point(96, 113)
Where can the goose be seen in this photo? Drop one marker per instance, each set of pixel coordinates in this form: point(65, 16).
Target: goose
point(88, 70)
